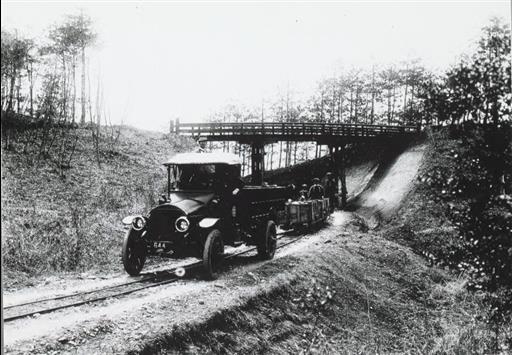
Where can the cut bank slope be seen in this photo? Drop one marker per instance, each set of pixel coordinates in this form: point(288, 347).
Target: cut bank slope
point(71, 222)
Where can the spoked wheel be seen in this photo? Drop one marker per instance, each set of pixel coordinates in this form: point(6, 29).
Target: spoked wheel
point(268, 242)
point(134, 252)
point(213, 254)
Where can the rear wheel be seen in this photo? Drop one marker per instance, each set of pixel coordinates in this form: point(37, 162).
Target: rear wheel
point(134, 252)
point(268, 242)
point(213, 254)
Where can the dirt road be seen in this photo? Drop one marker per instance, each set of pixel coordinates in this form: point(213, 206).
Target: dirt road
point(145, 314)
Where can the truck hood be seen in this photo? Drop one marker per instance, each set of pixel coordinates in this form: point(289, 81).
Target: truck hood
point(190, 202)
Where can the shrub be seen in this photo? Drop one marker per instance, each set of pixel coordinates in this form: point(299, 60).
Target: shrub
point(470, 185)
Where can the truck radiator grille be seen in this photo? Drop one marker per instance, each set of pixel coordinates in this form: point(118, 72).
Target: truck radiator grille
point(161, 225)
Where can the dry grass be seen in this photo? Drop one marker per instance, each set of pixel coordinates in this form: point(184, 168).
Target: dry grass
point(422, 221)
point(72, 222)
point(356, 294)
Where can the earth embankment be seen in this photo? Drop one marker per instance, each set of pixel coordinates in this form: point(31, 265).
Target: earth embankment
point(340, 289)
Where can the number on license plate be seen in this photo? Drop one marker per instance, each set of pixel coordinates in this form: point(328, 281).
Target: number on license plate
point(158, 245)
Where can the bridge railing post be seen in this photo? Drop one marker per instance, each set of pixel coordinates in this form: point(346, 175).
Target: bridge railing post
point(257, 162)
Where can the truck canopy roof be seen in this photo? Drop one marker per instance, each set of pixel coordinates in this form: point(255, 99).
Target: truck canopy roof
point(204, 158)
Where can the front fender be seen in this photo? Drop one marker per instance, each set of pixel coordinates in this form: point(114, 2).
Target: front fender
point(208, 222)
point(128, 220)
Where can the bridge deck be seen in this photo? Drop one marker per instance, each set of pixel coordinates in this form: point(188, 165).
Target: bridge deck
point(324, 133)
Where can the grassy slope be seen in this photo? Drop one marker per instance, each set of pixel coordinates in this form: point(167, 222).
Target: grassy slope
point(353, 293)
point(422, 221)
point(74, 222)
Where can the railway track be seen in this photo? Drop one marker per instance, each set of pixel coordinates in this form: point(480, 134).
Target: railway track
point(150, 280)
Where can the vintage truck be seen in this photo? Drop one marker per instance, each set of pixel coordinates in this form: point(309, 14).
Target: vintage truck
point(206, 207)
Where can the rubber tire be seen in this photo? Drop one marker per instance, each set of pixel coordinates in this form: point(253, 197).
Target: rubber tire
point(213, 254)
point(268, 243)
point(134, 252)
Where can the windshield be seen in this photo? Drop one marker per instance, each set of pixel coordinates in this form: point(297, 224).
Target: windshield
point(192, 177)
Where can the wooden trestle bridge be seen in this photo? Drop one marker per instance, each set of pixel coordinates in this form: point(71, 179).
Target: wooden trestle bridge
point(335, 135)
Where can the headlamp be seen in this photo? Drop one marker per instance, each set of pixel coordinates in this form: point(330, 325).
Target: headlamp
point(182, 224)
point(138, 223)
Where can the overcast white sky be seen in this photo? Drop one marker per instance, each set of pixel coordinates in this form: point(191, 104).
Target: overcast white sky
point(161, 60)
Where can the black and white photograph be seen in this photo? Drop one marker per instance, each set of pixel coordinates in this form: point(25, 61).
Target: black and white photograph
point(256, 177)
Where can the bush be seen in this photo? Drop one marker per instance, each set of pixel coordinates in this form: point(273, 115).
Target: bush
point(469, 183)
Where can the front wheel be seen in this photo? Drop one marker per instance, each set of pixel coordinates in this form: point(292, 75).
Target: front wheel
point(134, 252)
point(213, 254)
point(268, 243)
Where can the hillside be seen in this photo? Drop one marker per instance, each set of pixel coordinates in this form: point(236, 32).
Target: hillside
point(72, 221)
point(369, 281)
point(341, 289)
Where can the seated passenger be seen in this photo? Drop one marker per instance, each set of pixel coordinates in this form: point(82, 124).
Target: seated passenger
point(316, 191)
point(303, 193)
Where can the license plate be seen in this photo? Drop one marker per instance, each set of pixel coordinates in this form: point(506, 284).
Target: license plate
point(159, 245)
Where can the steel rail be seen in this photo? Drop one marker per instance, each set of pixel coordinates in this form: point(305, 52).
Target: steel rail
point(97, 299)
point(123, 293)
point(147, 276)
point(76, 294)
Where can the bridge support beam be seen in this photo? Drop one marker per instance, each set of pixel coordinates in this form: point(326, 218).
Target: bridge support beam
point(257, 162)
point(343, 176)
point(338, 167)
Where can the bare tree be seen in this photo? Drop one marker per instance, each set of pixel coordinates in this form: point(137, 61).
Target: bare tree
point(69, 39)
point(15, 55)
